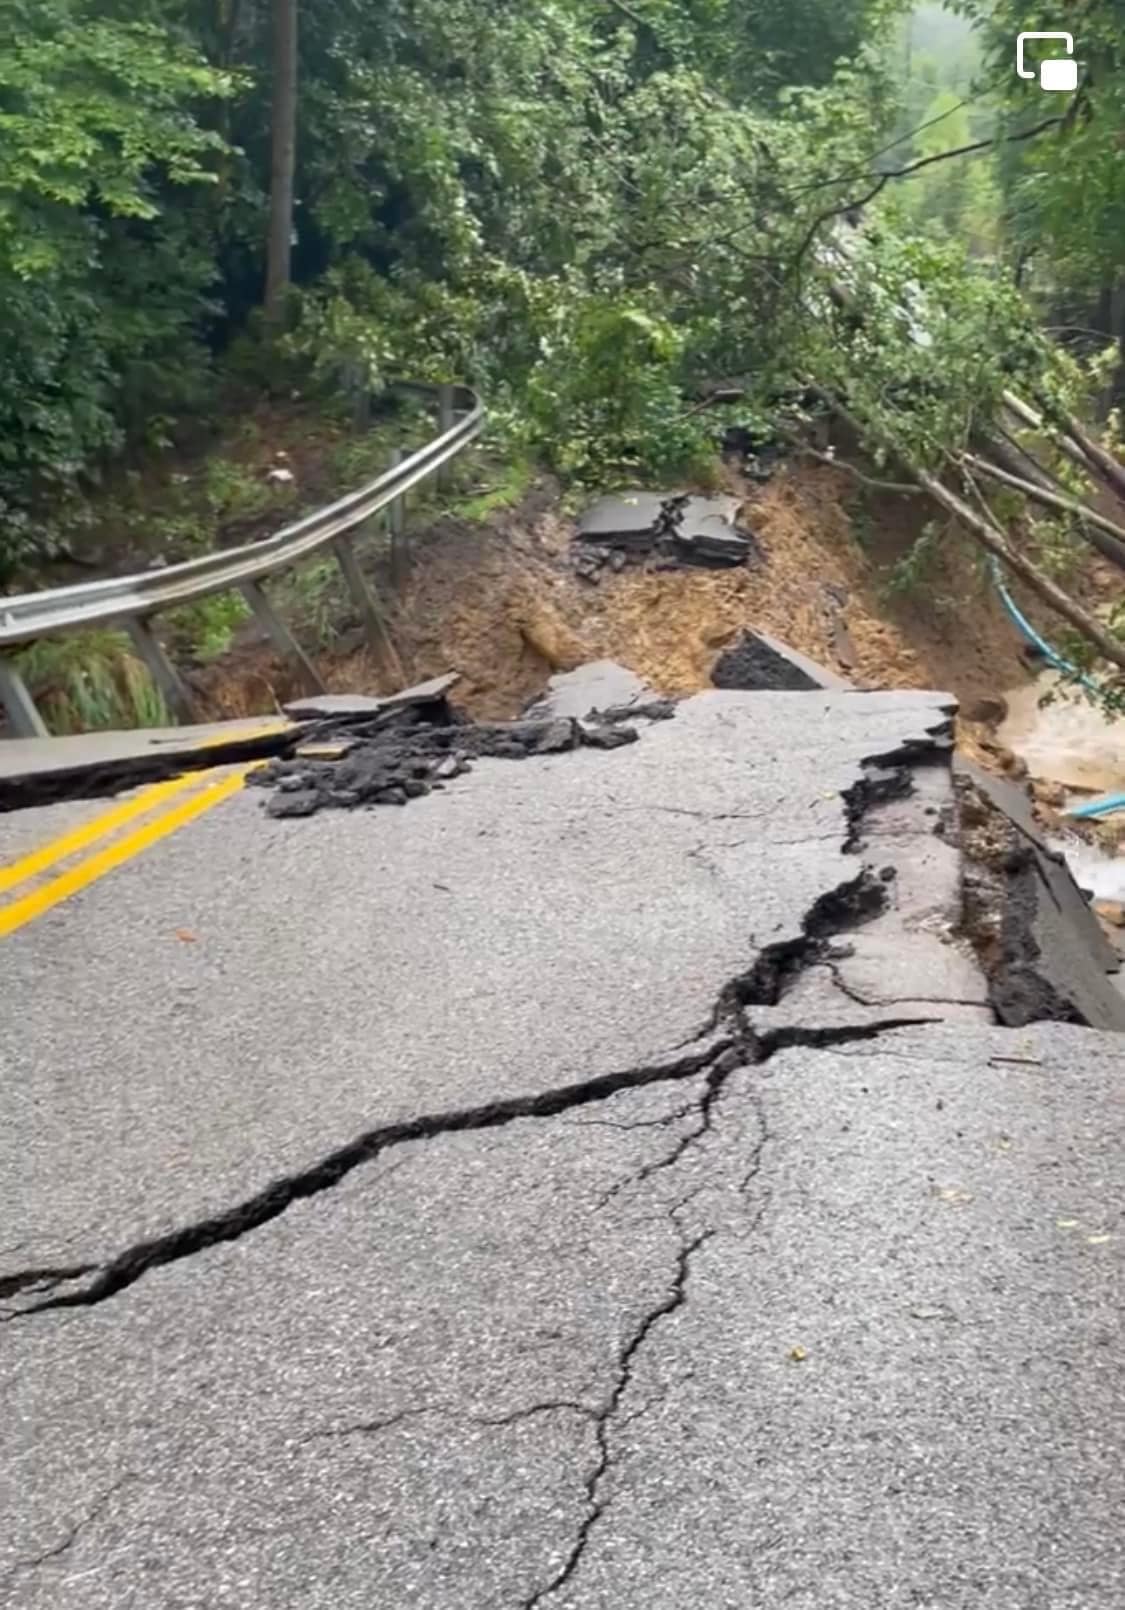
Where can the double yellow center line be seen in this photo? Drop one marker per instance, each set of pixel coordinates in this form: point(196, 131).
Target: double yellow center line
point(149, 804)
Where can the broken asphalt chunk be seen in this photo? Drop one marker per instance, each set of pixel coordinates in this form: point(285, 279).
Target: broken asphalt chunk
point(627, 520)
point(757, 662)
point(303, 803)
point(354, 706)
point(600, 685)
point(705, 529)
point(667, 529)
point(595, 735)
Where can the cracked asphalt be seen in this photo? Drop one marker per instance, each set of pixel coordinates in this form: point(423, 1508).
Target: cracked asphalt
point(591, 1187)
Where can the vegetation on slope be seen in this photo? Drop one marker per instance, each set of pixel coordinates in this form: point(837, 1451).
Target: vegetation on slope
point(591, 209)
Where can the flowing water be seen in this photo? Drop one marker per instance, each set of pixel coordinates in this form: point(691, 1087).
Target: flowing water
point(1068, 743)
point(1073, 744)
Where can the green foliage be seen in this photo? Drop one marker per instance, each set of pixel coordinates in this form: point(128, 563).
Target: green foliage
point(957, 199)
point(90, 111)
point(204, 631)
point(511, 483)
point(97, 296)
point(1058, 546)
point(603, 398)
point(91, 682)
point(1065, 190)
point(913, 573)
point(940, 341)
point(587, 210)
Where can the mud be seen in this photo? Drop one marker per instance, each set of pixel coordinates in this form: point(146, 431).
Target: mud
point(499, 600)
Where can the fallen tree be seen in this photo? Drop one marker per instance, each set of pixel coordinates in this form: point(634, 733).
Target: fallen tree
point(985, 530)
point(1100, 532)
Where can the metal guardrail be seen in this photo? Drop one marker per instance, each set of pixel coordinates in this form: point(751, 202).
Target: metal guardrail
point(132, 601)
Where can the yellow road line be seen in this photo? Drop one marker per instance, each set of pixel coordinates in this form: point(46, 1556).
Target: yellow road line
point(98, 827)
point(68, 844)
point(33, 905)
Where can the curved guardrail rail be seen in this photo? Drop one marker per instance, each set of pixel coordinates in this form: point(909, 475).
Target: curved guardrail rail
point(132, 601)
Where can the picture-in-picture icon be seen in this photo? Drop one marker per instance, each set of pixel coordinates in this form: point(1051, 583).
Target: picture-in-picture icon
point(1059, 72)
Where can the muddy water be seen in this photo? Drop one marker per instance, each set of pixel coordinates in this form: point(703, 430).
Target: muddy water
point(1067, 743)
point(1075, 745)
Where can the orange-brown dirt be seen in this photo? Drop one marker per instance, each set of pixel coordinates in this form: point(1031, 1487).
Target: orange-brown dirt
point(499, 603)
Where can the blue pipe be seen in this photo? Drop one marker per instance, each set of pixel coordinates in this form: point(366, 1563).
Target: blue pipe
point(1098, 807)
point(1025, 626)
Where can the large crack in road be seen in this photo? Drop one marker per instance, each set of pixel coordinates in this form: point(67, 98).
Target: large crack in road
point(729, 1039)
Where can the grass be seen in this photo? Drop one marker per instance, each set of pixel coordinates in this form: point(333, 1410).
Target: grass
point(511, 485)
point(90, 683)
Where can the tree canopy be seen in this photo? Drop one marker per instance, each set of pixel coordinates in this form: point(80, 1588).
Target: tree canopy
point(590, 208)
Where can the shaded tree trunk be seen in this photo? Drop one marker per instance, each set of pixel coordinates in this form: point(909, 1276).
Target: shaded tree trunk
point(280, 246)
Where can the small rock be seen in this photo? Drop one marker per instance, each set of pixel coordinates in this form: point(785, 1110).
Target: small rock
point(302, 804)
point(554, 737)
point(589, 568)
point(293, 782)
point(618, 559)
point(1049, 793)
point(990, 711)
point(390, 796)
point(595, 735)
point(1112, 911)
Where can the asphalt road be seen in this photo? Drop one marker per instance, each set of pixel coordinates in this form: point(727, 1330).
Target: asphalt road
point(627, 1252)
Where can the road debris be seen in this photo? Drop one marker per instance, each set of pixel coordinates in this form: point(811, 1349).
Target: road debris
point(416, 742)
point(756, 662)
point(661, 532)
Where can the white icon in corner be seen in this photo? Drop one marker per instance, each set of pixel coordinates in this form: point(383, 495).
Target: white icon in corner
point(1061, 72)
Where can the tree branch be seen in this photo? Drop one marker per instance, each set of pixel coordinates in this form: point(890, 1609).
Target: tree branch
point(633, 16)
point(902, 488)
point(1111, 545)
point(910, 169)
point(988, 534)
point(1074, 442)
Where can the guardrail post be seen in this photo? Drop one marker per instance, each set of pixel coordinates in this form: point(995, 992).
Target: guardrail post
point(160, 668)
point(280, 635)
point(371, 609)
point(396, 519)
point(445, 422)
point(23, 718)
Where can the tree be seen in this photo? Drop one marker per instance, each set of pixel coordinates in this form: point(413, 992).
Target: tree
point(284, 157)
point(99, 273)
